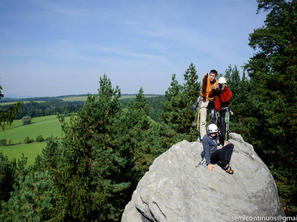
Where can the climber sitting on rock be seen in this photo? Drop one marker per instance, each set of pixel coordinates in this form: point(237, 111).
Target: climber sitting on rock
point(212, 154)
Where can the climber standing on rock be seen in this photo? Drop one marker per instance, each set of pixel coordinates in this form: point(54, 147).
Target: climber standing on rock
point(207, 103)
point(222, 96)
point(212, 154)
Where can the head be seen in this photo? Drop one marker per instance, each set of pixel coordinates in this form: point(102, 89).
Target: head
point(212, 75)
point(222, 83)
point(212, 129)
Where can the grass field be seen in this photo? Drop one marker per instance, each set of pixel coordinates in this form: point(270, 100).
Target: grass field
point(74, 98)
point(46, 126)
point(30, 151)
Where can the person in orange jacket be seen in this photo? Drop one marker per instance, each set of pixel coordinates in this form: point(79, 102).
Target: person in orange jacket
point(222, 96)
point(207, 104)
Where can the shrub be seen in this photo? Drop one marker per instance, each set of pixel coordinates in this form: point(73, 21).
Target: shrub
point(27, 120)
point(7, 178)
point(39, 138)
point(8, 141)
point(27, 140)
point(2, 142)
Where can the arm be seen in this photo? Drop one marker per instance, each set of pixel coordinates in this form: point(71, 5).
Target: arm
point(213, 92)
point(204, 84)
point(206, 149)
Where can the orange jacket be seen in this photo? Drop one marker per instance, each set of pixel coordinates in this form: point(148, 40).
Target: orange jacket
point(206, 88)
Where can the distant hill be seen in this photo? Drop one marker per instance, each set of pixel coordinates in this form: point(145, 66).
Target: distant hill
point(67, 104)
point(68, 98)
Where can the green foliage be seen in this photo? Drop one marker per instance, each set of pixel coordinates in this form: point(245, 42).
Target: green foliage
point(7, 177)
point(27, 140)
point(7, 116)
point(177, 112)
point(273, 109)
point(39, 138)
point(31, 200)
point(2, 142)
point(240, 103)
point(91, 164)
point(27, 120)
point(8, 141)
point(139, 137)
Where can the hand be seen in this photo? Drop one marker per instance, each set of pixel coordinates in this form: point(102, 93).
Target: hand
point(205, 75)
point(210, 167)
point(216, 86)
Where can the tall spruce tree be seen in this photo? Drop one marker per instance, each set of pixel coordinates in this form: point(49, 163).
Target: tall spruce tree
point(273, 76)
point(177, 112)
point(89, 184)
point(138, 135)
point(191, 91)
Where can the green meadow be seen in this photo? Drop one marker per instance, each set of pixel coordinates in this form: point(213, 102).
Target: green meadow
point(46, 126)
point(30, 151)
point(74, 98)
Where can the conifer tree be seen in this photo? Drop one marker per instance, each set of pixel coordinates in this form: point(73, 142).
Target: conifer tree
point(191, 91)
point(240, 102)
point(7, 177)
point(31, 200)
point(177, 112)
point(89, 185)
point(139, 136)
point(172, 105)
point(273, 76)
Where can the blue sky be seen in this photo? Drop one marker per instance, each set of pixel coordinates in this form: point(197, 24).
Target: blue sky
point(59, 47)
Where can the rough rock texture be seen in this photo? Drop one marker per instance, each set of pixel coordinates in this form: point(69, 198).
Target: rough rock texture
point(176, 189)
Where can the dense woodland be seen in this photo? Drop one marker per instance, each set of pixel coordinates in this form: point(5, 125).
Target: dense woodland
point(90, 174)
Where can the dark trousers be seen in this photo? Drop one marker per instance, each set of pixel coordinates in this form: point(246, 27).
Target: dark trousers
point(222, 126)
point(212, 112)
point(222, 156)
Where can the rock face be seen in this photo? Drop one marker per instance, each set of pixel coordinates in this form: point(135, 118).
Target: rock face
point(176, 189)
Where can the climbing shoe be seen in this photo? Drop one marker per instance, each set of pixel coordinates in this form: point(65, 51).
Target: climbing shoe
point(228, 169)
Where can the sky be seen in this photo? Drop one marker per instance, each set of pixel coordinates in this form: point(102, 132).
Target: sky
point(63, 47)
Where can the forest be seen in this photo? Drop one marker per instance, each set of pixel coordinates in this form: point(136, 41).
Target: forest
point(90, 174)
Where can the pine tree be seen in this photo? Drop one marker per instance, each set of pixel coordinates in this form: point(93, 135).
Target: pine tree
point(240, 103)
point(173, 105)
point(7, 177)
point(273, 77)
point(88, 184)
point(139, 136)
point(177, 112)
point(191, 91)
point(31, 200)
